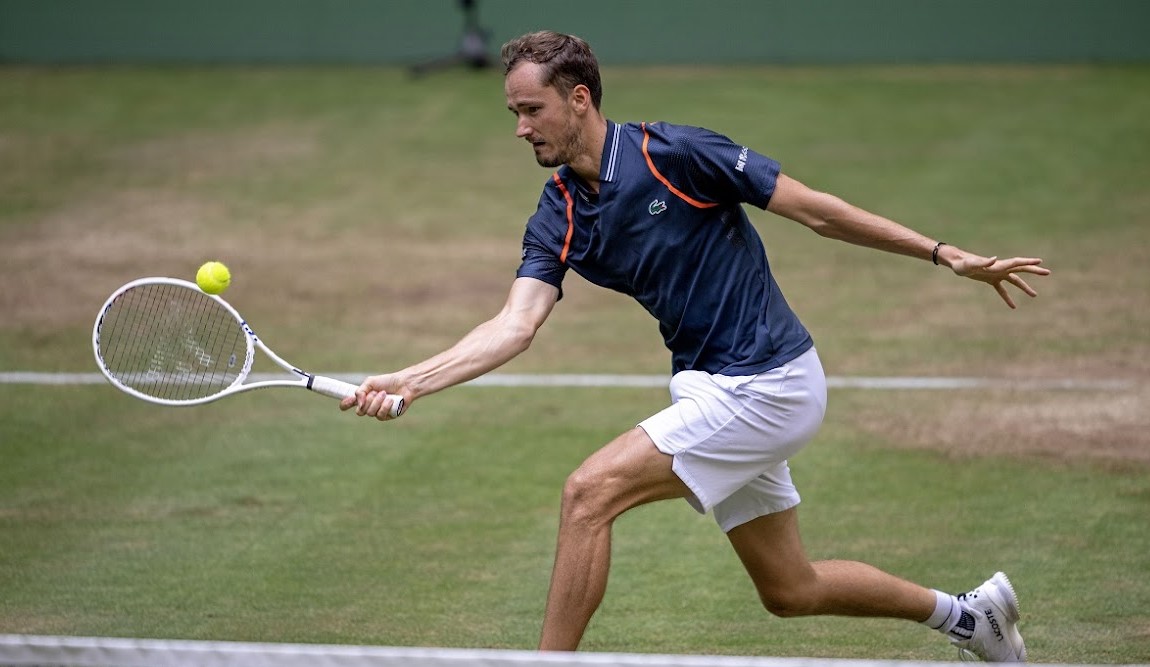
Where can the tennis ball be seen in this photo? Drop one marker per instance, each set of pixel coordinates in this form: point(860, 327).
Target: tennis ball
point(213, 277)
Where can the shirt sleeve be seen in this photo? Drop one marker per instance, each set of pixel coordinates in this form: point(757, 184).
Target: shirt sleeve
point(542, 245)
point(718, 169)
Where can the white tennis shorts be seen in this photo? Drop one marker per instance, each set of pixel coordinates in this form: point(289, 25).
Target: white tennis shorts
point(731, 436)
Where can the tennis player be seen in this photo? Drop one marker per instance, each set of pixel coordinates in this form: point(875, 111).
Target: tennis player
point(654, 210)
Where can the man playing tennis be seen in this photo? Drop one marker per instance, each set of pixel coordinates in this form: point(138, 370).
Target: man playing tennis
point(655, 211)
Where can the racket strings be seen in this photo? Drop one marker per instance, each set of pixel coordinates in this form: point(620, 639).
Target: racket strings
point(172, 343)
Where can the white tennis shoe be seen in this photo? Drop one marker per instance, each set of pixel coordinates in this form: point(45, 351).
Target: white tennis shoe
point(995, 636)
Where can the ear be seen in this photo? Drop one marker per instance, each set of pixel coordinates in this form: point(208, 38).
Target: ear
point(580, 98)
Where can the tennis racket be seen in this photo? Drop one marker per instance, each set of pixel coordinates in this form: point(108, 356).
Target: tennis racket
point(165, 341)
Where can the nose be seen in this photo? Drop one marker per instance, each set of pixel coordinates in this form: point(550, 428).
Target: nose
point(522, 130)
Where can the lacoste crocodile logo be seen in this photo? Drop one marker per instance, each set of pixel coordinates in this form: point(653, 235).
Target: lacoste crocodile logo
point(656, 207)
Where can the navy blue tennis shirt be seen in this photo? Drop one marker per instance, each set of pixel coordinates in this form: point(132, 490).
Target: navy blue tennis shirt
point(667, 228)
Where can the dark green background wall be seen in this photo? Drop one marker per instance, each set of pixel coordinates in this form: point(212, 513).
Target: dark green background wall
point(621, 31)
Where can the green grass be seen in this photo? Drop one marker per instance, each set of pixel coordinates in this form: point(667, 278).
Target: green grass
point(299, 527)
point(384, 209)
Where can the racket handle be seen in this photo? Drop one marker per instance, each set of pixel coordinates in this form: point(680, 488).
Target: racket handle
point(340, 390)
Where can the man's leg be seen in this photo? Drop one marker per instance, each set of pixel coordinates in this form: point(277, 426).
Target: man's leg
point(627, 472)
point(983, 622)
point(790, 585)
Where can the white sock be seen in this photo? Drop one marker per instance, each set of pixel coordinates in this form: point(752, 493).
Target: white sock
point(945, 612)
point(950, 618)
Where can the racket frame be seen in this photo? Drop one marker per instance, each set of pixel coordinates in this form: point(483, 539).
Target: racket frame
point(321, 384)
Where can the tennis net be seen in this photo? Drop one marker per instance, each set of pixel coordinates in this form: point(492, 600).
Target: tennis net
point(56, 651)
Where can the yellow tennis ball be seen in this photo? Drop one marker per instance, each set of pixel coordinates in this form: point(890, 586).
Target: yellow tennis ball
point(213, 277)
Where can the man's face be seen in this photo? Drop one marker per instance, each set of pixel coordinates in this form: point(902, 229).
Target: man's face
point(545, 117)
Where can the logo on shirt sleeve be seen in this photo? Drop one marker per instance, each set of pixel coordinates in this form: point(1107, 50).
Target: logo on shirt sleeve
point(742, 159)
point(656, 207)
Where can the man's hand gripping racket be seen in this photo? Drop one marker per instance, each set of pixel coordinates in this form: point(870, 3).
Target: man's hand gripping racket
point(165, 341)
point(371, 397)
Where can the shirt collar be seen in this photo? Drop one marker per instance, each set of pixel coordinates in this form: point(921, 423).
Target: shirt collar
point(610, 160)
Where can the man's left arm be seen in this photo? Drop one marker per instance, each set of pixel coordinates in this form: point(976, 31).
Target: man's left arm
point(830, 216)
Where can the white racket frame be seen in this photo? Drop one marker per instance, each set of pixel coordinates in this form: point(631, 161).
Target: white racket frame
point(320, 384)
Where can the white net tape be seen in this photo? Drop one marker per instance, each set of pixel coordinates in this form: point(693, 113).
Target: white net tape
point(48, 651)
point(641, 381)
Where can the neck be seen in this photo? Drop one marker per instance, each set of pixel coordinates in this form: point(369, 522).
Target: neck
point(589, 160)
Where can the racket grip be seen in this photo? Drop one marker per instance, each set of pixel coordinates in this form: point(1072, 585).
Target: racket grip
point(340, 390)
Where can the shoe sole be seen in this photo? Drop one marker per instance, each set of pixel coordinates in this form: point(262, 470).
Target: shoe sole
point(1008, 603)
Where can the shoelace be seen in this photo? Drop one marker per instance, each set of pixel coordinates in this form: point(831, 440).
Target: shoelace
point(966, 655)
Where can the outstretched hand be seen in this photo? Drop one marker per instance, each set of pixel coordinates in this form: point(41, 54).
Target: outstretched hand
point(997, 272)
point(374, 397)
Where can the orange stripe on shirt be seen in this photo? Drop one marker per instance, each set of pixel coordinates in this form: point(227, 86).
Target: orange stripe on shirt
point(570, 216)
point(675, 191)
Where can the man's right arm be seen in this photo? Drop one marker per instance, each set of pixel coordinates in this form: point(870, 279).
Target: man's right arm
point(487, 347)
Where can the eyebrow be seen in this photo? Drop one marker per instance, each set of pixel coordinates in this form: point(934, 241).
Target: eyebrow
point(524, 103)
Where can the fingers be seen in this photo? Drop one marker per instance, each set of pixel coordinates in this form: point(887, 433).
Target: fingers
point(375, 397)
point(361, 397)
point(1001, 289)
point(1025, 264)
point(1017, 281)
point(376, 404)
point(998, 272)
point(1021, 284)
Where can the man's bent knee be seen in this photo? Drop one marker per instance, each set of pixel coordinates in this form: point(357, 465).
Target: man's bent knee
point(586, 498)
point(627, 472)
point(789, 602)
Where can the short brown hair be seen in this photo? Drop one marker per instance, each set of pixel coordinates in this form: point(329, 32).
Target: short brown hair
point(566, 59)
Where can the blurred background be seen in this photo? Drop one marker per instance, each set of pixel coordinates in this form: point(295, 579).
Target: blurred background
point(632, 32)
point(358, 205)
